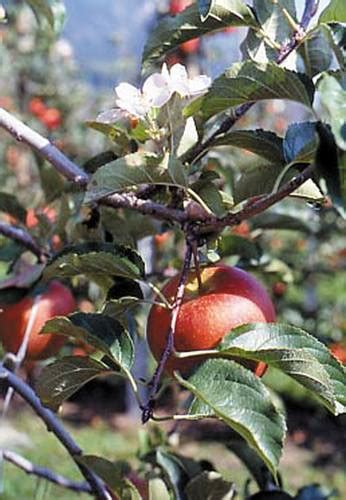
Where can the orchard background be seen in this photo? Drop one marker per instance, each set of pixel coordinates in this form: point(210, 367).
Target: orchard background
point(108, 195)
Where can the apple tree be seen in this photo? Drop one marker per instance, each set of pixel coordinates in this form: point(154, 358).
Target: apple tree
point(184, 167)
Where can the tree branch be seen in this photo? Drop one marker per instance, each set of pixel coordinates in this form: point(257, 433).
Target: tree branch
point(43, 472)
point(55, 426)
point(43, 147)
point(259, 205)
point(147, 410)
point(24, 238)
point(73, 172)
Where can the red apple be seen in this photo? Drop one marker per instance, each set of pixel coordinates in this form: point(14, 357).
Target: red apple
point(56, 300)
point(229, 298)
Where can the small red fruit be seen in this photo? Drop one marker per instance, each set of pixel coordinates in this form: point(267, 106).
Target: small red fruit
point(229, 298)
point(51, 118)
point(161, 239)
point(279, 288)
point(56, 300)
point(31, 219)
point(242, 229)
point(36, 106)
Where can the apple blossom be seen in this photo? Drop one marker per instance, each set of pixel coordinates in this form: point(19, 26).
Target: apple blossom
point(158, 88)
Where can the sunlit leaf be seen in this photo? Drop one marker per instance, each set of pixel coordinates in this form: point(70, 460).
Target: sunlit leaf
point(235, 395)
point(295, 352)
point(131, 170)
point(172, 31)
point(249, 81)
point(335, 12)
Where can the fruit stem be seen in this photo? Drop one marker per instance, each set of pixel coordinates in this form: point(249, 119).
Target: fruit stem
point(147, 409)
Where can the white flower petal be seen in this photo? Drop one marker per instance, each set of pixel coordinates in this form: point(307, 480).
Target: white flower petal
point(126, 91)
point(156, 90)
point(199, 84)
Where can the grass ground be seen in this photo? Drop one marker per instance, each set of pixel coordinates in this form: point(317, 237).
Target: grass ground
point(24, 433)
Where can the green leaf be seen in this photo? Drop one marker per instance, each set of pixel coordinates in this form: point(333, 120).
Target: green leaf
point(295, 352)
point(316, 53)
point(178, 470)
point(103, 332)
point(172, 31)
point(98, 161)
point(52, 183)
point(43, 9)
point(211, 196)
point(300, 142)
point(177, 172)
point(330, 168)
point(96, 260)
point(336, 34)
point(260, 142)
point(232, 244)
point(251, 460)
point(52, 11)
point(117, 308)
point(131, 170)
point(333, 99)
point(10, 205)
point(275, 28)
point(335, 12)
point(113, 474)
point(249, 81)
point(210, 485)
point(59, 380)
point(274, 220)
point(239, 398)
point(158, 489)
point(257, 177)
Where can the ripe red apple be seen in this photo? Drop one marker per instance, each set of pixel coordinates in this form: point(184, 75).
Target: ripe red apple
point(55, 300)
point(229, 298)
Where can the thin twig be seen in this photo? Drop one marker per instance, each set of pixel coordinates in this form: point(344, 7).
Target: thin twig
point(147, 410)
point(54, 425)
point(21, 236)
point(43, 472)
